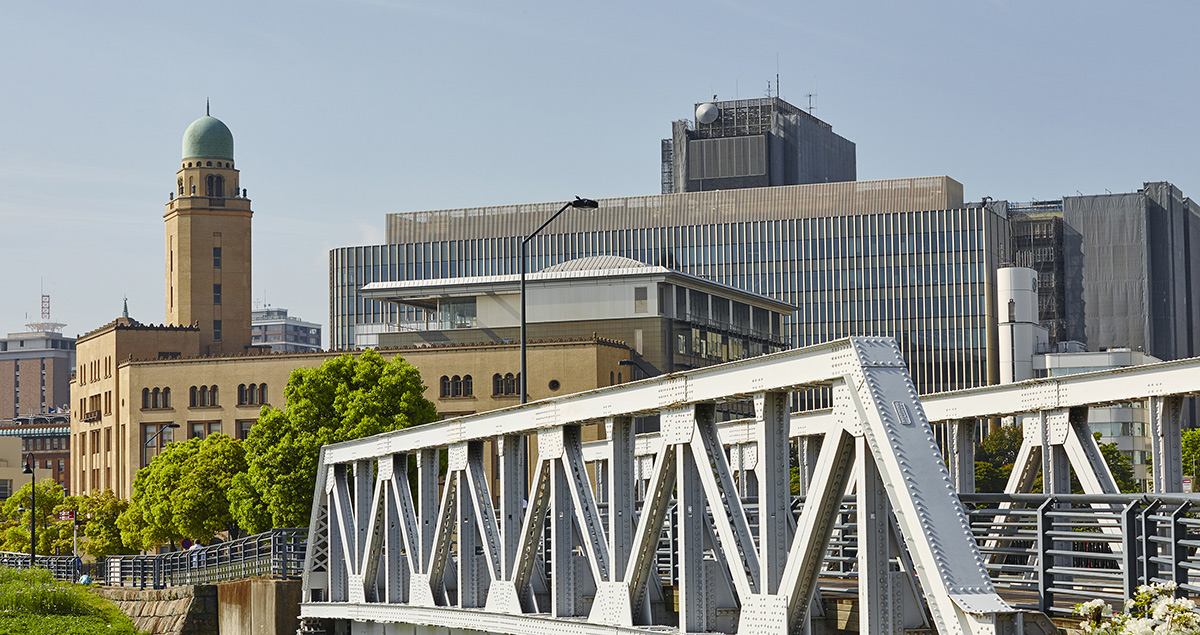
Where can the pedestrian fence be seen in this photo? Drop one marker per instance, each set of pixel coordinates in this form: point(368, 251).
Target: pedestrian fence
point(278, 553)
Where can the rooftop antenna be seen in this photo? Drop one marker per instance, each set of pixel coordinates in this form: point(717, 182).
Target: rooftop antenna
point(811, 107)
point(776, 75)
point(207, 112)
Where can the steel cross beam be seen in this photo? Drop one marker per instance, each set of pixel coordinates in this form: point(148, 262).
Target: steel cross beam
point(505, 576)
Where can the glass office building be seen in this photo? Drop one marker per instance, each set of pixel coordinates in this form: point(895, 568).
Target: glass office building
point(898, 257)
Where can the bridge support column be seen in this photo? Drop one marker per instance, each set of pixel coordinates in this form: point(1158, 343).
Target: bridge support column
point(1166, 416)
point(962, 454)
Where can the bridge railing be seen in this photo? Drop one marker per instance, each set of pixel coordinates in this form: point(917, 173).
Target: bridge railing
point(1050, 553)
point(278, 553)
point(62, 567)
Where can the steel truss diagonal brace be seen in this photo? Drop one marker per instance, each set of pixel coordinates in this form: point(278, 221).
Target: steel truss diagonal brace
point(587, 514)
point(485, 515)
point(932, 521)
point(728, 517)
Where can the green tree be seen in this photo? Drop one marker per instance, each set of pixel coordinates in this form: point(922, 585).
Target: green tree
point(994, 458)
point(1191, 454)
point(183, 493)
point(348, 397)
point(50, 531)
point(98, 512)
point(1120, 466)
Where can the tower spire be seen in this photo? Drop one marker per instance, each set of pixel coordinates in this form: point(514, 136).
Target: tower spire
point(207, 112)
point(125, 310)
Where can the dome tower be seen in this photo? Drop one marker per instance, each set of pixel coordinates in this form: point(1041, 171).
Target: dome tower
point(208, 241)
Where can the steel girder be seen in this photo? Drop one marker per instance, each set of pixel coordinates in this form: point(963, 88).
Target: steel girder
point(731, 578)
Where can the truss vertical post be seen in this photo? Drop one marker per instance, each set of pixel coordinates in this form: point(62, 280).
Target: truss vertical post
point(427, 502)
point(512, 471)
point(774, 486)
point(808, 449)
point(621, 503)
point(469, 595)
point(562, 546)
point(962, 455)
point(691, 513)
point(1166, 422)
point(395, 564)
point(880, 607)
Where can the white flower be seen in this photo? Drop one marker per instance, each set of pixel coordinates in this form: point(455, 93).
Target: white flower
point(1140, 626)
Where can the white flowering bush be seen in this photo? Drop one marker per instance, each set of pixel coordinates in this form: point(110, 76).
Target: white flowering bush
point(1154, 610)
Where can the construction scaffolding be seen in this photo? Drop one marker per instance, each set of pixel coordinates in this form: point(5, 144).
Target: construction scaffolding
point(1036, 231)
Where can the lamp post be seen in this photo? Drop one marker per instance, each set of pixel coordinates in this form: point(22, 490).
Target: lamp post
point(582, 203)
point(29, 463)
point(154, 436)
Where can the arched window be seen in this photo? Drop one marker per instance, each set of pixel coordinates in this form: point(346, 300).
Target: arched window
point(444, 386)
point(456, 386)
point(242, 395)
point(262, 394)
point(204, 396)
point(497, 384)
point(468, 387)
point(145, 398)
point(612, 378)
point(213, 396)
point(193, 400)
point(618, 378)
point(181, 186)
point(214, 185)
point(252, 394)
point(510, 384)
point(156, 398)
point(166, 398)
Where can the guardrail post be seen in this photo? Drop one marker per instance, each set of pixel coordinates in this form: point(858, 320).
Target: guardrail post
point(1129, 548)
point(1045, 524)
point(1178, 550)
point(1149, 548)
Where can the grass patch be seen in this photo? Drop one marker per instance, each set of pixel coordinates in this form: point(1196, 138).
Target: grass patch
point(33, 603)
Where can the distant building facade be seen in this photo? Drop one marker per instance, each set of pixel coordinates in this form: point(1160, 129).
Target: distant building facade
point(900, 257)
point(35, 371)
point(753, 143)
point(46, 438)
point(274, 328)
point(673, 321)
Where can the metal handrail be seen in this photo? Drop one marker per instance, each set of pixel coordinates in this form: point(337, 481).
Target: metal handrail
point(278, 553)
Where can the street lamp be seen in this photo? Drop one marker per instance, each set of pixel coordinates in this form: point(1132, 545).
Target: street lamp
point(29, 463)
point(582, 203)
point(154, 436)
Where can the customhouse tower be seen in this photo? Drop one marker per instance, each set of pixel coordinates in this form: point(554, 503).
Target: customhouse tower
point(208, 242)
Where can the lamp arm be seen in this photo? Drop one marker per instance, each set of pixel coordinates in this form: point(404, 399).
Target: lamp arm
point(537, 231)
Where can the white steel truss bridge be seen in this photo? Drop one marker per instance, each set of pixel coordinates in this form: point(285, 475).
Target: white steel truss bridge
point(412, 532)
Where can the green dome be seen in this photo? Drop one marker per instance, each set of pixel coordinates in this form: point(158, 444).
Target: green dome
point(208, 137)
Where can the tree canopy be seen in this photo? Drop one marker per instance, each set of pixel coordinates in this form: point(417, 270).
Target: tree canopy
point(52, 534)
point(98, 511)
point(183, 493)
point(347, 397)
point(996, 454)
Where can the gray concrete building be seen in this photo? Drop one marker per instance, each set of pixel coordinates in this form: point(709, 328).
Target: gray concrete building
point(753, 143)
point(282, 333)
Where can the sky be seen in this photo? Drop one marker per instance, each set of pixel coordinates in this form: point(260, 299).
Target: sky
point(344, 112)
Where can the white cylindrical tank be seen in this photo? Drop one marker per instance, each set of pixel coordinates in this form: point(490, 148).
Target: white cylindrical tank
point(1017, 302)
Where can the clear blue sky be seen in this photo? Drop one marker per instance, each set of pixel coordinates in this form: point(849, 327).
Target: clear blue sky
point(343, 112)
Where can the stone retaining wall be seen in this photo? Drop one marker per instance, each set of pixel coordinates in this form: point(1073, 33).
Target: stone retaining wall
point(184, 610)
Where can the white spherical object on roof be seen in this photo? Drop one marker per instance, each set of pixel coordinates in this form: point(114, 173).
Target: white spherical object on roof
point(707, 113)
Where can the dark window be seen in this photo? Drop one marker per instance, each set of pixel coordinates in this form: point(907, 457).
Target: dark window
point(216, 257)
point(216, 294)
point(217, 330)
point(145, 398)
point(262, 393)
point(468, 386)
point(193, 398)
point(444, 386)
